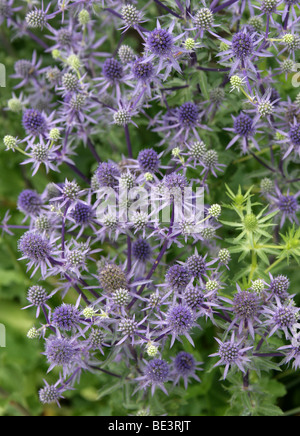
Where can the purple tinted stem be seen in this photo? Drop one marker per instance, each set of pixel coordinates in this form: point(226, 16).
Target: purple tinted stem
point(224, 5)
point(167, 9)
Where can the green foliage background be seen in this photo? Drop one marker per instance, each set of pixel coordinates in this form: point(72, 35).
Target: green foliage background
point(22, 368)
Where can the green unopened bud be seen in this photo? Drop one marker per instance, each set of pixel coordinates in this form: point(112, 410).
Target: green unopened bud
point(190, 44)
point(149, 177)
point(89, 313)
point(33, 333)
point(14, 105)
point(152, 350)
point(258, 286)
point(215, 210)
point(54, 134)
point(84, 17)
point(56, 54)
point(236, 82)
point(74, 62)
point(10, 142)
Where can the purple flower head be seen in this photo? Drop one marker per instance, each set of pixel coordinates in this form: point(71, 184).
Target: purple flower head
point(66, 317)
point(185, 366)
point(287, 205)
point(142, 71)
point(34, 247)
point(82, 213)
point(34, 122)
point(243, 125)
point(246, 307)
point(50, 394)
point(148, 160)
point(242, 45)
point(160, 42)
point(37, 295)
point(178, 277)
point(61, 351)
point(179, 321)
point(279, 287)
point(196, 265)
point(157, 373)
point(175, 180)
point(112, 70)
point(107, 175)
point(141, 250)
point(188, 115)
point(29, 202)
point(194, 297)
point(232, 354)
point(282, 317)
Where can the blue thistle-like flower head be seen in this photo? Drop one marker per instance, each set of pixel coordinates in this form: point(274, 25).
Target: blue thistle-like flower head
point(178, 277)
point(60, 351)
point(180, 319)
point(188, 114)
point(66, 317)
point(29, 202)
point(184, 364)
point(113, 70)
point(107, 175)
point(34, 247)
point(160, 42)
point(141, 250)
point(243, 125)
point(142, 70)
point(148, 160)
point(82, 213)
point(242, 45)
point(157, 371)
point(34, 122)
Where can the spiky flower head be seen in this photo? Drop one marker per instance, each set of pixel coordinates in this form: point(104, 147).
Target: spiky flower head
point(267, 186)
point(33, 333)
point(15, 105)
point(60, 351)
point(178, 277)
point(288, 66)
point(224, 256)
point(292, 42)
point(126, 54)
point(157, 371)
point(215, 211)
point(10, 142)
point(190, 44)
point(71, 190)
point(36, 19)
point(70, 82)
point(142, 70)
point(112, 278)
point(279, 286)
point(180, 319)
point(112, 70)
point(243, 125)
point(34, 122)
point(196, 265)
point(130, 14)
point(212, 285)
point(246, 305)
point(257, 23)
point(236, 82)
point(250, 222)
point(82, 213)
point(66, 317)
point(184, 364)
point(217, 95)
point(194, 297)
point(152, 350)
point(269, 6)
point(242, 45)
point(122, 117)
point(204, 18)
point(160, 42)
point(37, 295)
point(140, 220)
point(84, 17)
point(188, 114)
point(89, 312)
point(128, 326)
point(141, 250)
point(148, 160)
point(49, 394)
point(29, 202)
point(258, 286)
point(107, 175)
point(96, 338)
point(265, 107)
point(197, 150)
point(121, 297)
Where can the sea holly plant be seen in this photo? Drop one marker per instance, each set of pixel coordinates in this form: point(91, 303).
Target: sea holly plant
point(158, 223)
